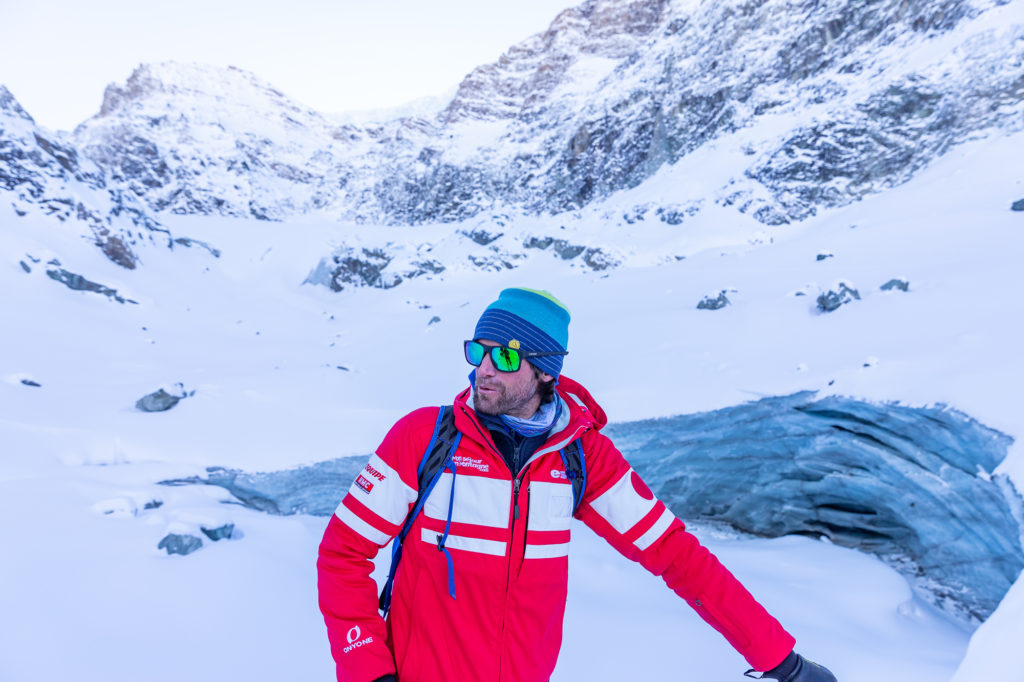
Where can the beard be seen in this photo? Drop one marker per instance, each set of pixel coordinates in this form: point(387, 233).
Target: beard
point(504, 399)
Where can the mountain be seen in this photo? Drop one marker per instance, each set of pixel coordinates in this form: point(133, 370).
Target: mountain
point(775, 110)
point(820, 104)
point(44, 173)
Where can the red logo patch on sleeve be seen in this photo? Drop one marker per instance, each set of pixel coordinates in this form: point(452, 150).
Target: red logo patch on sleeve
point(640, 487)
point(364, 484)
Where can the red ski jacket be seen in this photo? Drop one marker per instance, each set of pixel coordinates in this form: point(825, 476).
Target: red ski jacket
point(509, 545)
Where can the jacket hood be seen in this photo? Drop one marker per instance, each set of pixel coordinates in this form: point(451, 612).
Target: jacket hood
point(574, 391)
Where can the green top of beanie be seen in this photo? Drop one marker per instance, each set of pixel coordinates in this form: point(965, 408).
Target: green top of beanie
point(539, 308)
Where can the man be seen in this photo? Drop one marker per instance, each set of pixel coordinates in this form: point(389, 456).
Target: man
point(480, 593)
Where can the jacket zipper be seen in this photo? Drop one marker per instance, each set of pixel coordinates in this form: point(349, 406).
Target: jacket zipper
point(517, 481)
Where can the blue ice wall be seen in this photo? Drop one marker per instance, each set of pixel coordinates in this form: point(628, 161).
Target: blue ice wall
point(911, 485)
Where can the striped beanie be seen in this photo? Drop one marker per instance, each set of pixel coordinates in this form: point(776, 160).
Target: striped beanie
point(536, 319)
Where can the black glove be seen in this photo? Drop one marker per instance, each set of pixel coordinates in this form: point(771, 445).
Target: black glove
point(796, 668)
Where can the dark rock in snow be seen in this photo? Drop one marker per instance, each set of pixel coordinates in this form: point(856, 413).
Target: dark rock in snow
point(25, 266)
point(366, 267)
point(185, 241)
point(434, 320)
point(219, 533)
point(895, 283)
point(159, 401)
point(675, 215)
point(79, 283)
point(563, 248)
point(831, 300)
point(1017, 205)
point(822, 256)
point(717, 303)
point(29, 382)
point(482, 237)
point(174, 543)
point(153, 504)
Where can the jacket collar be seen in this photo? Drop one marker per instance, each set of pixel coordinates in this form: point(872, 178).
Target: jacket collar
point(576, 418)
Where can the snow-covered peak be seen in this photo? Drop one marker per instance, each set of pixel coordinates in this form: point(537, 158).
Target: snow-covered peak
point(9, 106)
point(187, 96)
point(809, 108)
point(151, 87)
point(524, 77)
point(196, 138)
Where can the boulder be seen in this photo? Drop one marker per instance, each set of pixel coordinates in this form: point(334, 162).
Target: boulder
point(175, 543)
point(831, 300)
point(220, 532)
point(708, 303)
point(901, 284)
point(160, 400)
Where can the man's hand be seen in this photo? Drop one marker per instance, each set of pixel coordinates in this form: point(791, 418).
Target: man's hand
point(796, 668)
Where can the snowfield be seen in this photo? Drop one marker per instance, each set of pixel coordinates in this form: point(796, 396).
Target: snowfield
point(285, 374)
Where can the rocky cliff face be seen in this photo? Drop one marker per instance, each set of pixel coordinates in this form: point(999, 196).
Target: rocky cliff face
point(775, 109)
point(44, 173)
point(827, 102)
point(821, 104)
point(204, 140)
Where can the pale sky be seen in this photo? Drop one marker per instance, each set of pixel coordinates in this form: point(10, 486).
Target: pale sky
point(57, 56)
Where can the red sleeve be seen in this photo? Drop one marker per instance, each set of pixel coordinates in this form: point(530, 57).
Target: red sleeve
point(620, 507)
point(369, 516)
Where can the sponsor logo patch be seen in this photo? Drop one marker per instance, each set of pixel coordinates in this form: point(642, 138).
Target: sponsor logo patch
point(374, 473)
point(555, 473)
point(471, 463)
point(353, 639)
point(364, 484)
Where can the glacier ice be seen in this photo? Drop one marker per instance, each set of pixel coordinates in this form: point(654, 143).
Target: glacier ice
point(913, 485)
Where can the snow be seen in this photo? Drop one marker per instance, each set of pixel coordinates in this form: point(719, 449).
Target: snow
point(86, 594)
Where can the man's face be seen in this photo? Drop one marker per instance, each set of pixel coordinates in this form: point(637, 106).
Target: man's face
point(512, 393)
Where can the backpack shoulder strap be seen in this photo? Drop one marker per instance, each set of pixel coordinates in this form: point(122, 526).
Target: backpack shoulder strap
point(576, 469)
point(441, 446)
point(437, 449)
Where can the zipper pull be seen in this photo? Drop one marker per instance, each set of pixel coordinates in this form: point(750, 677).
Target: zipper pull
point(515, 497)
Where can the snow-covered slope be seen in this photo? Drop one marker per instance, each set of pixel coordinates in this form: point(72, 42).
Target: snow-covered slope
point(286, 374)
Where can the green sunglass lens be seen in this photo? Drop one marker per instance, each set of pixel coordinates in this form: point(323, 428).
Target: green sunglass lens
point(505, 359)
point(474, 353)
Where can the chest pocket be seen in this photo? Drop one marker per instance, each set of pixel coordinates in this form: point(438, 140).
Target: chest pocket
point(550, 506)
